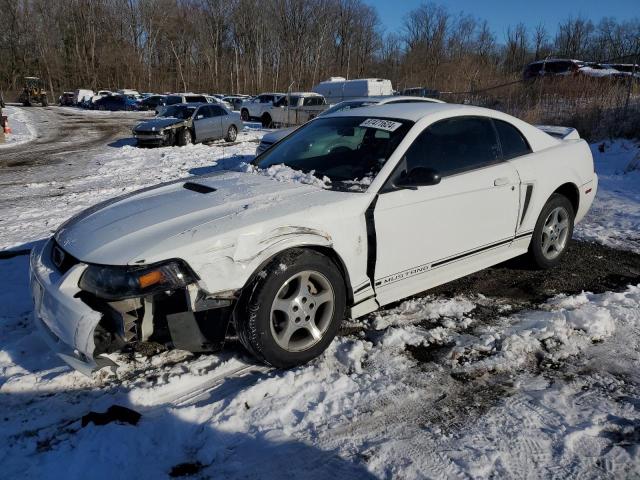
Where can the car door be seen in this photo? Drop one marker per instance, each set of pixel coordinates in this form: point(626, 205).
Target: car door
point(218, 114)
point(203, 124)
point(432, 234)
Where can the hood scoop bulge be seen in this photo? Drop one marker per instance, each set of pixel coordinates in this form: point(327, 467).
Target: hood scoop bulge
point(196, 187)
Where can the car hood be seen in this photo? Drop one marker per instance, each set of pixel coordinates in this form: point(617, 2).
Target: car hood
point(121, 230)
point(157, 124)
point(276, 136)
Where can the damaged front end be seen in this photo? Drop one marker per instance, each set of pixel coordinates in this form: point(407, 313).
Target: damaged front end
point(87, 311)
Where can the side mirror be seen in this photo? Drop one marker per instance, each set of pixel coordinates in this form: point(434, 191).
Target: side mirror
point(418, 177)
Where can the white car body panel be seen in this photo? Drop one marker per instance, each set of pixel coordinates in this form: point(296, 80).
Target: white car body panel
point(390, 244)
point(420, 229)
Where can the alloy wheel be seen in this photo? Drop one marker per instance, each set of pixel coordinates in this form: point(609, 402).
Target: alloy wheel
point(302, 311)
point(555, 233)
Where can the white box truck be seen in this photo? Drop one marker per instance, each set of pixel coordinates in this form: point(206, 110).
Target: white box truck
point(338, 89)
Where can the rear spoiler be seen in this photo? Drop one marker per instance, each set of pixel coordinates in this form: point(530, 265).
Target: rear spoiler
point(561, 133)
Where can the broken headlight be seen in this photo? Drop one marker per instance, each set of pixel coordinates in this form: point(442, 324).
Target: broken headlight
point(119, 283)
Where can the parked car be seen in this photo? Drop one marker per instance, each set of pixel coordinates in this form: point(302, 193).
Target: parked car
point(183, 124)
point(153, 101)
point(338, 89)
point(115, 103)
point(235, 101)
point(628, 68)
point(82, 95)
point(592, 69)
point(66, 99)
point(551, 67)
point(273, 137)
point(218, 101)
point(254, 108)
point(129, 92)
point(416, 195)
point(177, 98)
point(294, 109)
point(100, 94)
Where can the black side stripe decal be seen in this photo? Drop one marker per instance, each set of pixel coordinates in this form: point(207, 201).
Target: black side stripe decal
point(423, 268)
point(527, 199)
point(363, 300)
point(363, 287)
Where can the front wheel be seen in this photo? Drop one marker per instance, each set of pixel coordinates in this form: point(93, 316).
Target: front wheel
point(552, 233)
point(244, 114)
point(292, 309)
point(232, 134)
point(184, 137)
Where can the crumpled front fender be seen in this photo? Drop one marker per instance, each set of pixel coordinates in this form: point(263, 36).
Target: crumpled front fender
point(233, 267)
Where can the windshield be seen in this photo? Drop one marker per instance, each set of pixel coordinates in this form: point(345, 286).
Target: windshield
point(178, 111)
point(344, 149)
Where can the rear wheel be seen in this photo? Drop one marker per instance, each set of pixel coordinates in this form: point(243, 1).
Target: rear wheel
point(184, 137)
point(291, 311)
point(267, 122)
point(232, 134)
point(45, 101)
point(552, 233)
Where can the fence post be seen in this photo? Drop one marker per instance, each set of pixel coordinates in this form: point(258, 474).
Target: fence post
point(631, 79)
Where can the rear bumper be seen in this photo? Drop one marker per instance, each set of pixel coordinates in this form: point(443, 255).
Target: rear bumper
point(65, 322)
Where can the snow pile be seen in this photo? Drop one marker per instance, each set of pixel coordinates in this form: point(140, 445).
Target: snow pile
point(22, 129)
point(564, 327)
point(614, 218)
point(424, 309)
point(284, 173)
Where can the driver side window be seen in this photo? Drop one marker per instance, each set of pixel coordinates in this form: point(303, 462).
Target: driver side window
point(204, 112)
point(454, 146)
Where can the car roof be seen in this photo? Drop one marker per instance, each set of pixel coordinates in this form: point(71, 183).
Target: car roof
point(420, 110)
point(407, 111)
point(304, 94)
point(406, 98)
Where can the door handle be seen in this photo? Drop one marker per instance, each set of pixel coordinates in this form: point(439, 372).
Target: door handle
point(499, 182)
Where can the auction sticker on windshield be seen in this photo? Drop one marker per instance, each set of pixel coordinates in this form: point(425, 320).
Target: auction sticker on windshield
point(388, 125)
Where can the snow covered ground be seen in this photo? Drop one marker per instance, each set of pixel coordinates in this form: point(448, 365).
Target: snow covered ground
point(22, 131)
point(430, 388)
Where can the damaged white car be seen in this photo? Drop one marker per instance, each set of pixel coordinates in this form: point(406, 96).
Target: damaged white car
point(402, 198)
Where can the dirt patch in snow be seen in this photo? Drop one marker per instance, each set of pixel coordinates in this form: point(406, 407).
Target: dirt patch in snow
point(586, 267)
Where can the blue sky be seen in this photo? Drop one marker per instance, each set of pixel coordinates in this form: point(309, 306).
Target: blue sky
point(502, 13)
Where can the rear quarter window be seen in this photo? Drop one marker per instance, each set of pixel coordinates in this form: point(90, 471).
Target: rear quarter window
point(513, 143)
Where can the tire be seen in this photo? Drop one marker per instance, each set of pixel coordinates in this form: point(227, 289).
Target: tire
point(45, 101)
point(266, 121)
point(553, 232)
point(244, 115)
point(184, 137)
point(232, 134)
point(298, 282)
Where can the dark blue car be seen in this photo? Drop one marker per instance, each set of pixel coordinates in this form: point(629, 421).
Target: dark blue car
point(115, 103)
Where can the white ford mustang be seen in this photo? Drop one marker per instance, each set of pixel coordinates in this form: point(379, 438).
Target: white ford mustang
point(414, 195)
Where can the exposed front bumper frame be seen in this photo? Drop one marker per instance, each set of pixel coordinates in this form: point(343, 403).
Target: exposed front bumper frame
point(66, 323)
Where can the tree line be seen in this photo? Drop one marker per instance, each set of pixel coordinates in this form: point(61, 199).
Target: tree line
point(248, 46)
